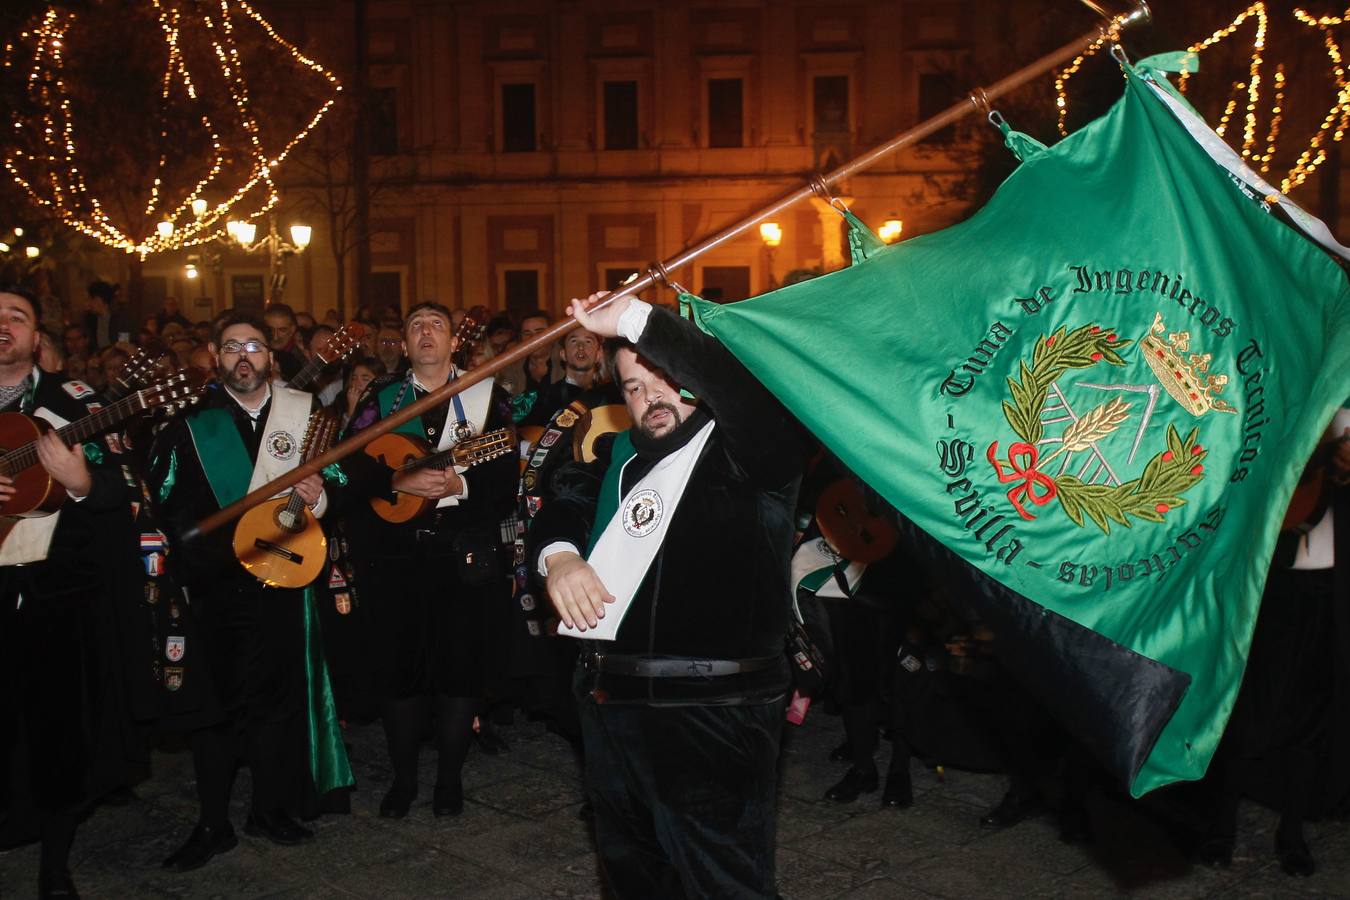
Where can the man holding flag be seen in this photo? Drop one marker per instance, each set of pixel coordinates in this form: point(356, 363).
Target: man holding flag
point(683, 595)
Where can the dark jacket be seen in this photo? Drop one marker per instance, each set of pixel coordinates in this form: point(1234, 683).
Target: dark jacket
point(718, 587)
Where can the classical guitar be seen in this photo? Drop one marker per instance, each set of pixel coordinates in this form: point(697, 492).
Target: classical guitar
point(36, 492)
point(280, 542)
point(403, 453)
point(342, 344)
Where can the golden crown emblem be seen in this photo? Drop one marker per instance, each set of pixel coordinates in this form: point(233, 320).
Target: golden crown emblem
point(1187, 380)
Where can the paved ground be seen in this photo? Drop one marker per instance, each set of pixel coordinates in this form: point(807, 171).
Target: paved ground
point(520, 837)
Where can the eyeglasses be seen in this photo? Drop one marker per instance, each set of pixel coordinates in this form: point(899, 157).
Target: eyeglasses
point(233, 347)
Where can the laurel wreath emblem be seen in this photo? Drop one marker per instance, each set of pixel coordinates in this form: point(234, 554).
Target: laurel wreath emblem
point(1157, 490)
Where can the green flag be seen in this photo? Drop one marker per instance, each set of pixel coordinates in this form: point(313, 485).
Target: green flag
point(1100, 391)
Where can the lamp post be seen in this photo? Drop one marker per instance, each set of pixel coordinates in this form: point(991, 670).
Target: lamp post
point(276, 247)
point(771, 233)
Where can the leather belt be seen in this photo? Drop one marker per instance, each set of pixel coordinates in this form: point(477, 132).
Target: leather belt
point(676, 666)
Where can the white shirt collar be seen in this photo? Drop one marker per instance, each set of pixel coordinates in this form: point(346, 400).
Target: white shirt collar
point(417, 382)
point(252, 413)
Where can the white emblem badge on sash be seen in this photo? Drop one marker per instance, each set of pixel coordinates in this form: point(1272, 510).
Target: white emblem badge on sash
point(281, 445)
point(174, 647)
point(642, 513)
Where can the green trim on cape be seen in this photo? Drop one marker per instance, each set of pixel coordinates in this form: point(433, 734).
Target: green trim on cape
point(611, 490)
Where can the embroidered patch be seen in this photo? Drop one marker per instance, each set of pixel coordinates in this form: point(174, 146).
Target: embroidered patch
point(77, 389)
point(566, 419)
point(642, 513)
point(281, 444)
point(174, 647)
point(173, 678)
point(550, 437)
point(530, 480)
point(343, 602)
point(527, 602)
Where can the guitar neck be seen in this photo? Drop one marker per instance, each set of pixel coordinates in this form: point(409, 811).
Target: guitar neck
point(74, 433)
point(306, 376)
point(466, 453)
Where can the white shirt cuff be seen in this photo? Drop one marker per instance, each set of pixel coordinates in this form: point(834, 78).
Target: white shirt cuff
point(633, 320)
point(550, 549)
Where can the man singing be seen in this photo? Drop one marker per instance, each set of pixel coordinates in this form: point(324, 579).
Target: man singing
point(686, 520)
point(246, 638)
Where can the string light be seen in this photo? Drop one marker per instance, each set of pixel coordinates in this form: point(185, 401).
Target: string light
point(1248, 93)
point(48, 172)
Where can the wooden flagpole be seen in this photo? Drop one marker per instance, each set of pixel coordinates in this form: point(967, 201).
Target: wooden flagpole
point(819, 185)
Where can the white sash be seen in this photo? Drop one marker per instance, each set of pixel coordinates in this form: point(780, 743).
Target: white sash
point(630, 541)
point(475, 400)
point(282, 434)
point(816, 557)
point(31, 537)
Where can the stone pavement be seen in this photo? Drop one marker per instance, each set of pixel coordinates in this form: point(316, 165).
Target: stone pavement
point(520, 837)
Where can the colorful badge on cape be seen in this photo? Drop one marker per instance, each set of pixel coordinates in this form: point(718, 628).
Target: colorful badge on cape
point(174, 647)
point(173, 678)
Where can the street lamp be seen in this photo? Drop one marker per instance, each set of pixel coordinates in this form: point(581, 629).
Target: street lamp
point(274, 245)
point(771, 233)
point(890, 229)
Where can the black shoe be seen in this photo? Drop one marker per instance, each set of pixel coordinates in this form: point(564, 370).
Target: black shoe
point(278, 827)
point(1215, 851)
point(396, 803)
point(205, 842)
point(842, 753)
point(490, 742)
point(448, 799)
point(899, 792)
point(853, 783)
point(1294, 855)
point(1013, 808)
point(56, 883)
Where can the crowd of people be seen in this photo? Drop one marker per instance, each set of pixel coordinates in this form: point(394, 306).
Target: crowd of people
point(457, 572)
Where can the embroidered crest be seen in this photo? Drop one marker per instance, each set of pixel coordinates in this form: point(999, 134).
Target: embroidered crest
point(343, 602)
point(174, 647)
point(642, 513)
point(77, 389)
point(566, 419)
point(1091, 477)
point(281, 444)
point(173, 678)
point(530, 480)
point(550, 437)
point(533, 628)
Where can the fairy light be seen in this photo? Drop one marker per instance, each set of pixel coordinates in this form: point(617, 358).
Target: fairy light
point(1336, 119)
point(1247, 93)
point(48, 172)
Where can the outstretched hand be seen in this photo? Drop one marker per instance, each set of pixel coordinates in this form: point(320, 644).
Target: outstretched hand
point(576, 591)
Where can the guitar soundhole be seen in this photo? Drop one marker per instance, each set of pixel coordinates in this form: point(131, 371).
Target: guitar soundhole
point(289, 521)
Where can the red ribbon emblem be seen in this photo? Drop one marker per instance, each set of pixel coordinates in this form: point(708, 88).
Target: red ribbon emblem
point(1022, 459)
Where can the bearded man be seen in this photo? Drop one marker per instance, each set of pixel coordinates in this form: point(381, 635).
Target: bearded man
point(683, 598)
point(244, 647)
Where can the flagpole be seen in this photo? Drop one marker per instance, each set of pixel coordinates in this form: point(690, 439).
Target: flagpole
point(819, 185)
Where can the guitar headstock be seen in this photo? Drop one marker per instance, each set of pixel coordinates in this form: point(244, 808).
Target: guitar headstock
point(172, 393)
point(484, 447)
point(343, 343)
point(140, 369)
point(320, 433)
point(471, 329)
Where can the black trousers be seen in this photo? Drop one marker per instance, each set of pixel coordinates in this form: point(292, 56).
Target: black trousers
point(684, 797)
point(254, 645)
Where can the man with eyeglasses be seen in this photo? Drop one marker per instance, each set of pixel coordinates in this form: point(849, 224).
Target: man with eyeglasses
point(428, 582)
point(244, 644)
